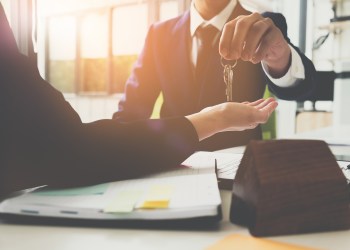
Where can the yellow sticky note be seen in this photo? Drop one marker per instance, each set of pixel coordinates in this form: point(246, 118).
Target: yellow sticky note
point(124, 202)
point(158, 197)
point(236, 241)
point(155, 204)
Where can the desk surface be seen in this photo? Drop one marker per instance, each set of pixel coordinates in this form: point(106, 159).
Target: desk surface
point(30, 237)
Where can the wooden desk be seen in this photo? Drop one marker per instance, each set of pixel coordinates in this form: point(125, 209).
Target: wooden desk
point(28, 237)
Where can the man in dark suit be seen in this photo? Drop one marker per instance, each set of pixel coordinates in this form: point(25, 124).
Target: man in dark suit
point(171, 64)
point(44, 142)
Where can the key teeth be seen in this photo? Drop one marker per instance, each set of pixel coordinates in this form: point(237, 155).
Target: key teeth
point(228, 79)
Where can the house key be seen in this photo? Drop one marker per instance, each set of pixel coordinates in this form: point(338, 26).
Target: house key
point(228, 78)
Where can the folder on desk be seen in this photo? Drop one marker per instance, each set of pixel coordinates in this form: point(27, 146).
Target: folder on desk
point(185, 193)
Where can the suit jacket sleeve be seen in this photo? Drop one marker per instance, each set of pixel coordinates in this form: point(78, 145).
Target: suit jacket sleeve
point(142, 87)
point(304, 88)
point(44, 142)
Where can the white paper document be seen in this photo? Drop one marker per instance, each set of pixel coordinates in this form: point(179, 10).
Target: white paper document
point(227, 163)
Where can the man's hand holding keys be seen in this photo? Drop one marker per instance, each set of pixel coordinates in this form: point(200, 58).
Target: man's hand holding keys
point(256, 39)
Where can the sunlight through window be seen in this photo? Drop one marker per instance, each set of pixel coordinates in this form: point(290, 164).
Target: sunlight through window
point(90, 46)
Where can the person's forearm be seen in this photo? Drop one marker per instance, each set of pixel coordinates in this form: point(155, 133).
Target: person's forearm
point(204, 126)
point(206, 123)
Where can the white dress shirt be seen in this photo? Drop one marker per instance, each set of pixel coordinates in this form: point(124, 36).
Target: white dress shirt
point(296, 70)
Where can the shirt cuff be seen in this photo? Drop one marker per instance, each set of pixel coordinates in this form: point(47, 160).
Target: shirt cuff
point(295, 72)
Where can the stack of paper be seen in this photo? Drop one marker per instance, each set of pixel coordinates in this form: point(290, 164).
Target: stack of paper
point(189, 192)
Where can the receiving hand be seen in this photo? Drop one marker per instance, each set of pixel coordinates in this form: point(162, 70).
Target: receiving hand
point(248, 115)
point(255, 38)
point(232, 116)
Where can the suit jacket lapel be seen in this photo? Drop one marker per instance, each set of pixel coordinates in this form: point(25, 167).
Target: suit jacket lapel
point(181, 61)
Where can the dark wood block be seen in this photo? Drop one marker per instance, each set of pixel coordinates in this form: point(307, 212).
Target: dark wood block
point(289, 187)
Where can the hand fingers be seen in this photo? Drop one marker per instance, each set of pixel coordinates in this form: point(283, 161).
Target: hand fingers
point(225, 39)
point(255, 103)
point(259, 103)
point(239, 38)
point(264, 103)
point(255, 36)
point(270, 107)
point(266, 111)
point(252, 38)
point(234, 36)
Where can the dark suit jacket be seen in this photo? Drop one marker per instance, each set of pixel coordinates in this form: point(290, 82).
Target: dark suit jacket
point(165, 66)
point(44, 142)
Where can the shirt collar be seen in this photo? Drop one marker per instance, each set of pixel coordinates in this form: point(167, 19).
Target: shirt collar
point(217, 21)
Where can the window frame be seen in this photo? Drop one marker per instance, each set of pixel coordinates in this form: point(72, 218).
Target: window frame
point(153, 16)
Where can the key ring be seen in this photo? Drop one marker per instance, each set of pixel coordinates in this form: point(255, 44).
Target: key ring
point(222, 60)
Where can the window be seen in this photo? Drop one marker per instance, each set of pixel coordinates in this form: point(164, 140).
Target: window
point(62, 52)
point(93, 46)
point(128, 39)
point(89, 47)
point(168, 9)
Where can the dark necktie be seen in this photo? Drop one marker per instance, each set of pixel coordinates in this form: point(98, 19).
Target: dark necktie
point(205, 36)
